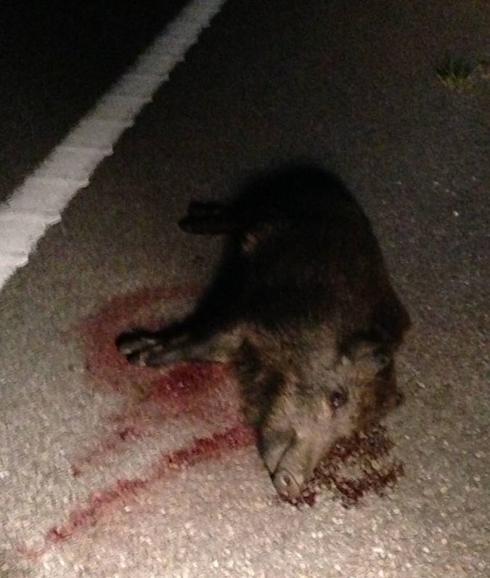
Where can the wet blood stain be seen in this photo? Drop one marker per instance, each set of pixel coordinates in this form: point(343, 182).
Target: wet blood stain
point(149, 397)
point(355, 467)
point(101, 502)
point(196, 391)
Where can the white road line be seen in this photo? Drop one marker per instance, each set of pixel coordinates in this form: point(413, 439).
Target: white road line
point(40, 200)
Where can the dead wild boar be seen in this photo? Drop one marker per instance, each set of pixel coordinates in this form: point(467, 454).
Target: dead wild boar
point(303, 306)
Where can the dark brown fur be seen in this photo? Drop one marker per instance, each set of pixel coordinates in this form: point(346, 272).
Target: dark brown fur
point(305, 308)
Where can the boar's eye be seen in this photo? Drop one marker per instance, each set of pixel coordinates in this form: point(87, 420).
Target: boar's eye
point(338, 399)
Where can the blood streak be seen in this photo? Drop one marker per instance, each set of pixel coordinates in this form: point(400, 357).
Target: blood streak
point(101, 502)
point(196, 389)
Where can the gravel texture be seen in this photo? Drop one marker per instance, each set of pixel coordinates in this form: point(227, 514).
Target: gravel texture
point(108, 473)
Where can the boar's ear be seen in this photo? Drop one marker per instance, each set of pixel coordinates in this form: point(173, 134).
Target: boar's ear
point(367, 356)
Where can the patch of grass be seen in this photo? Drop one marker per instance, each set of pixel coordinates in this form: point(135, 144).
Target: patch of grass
point(455, 72)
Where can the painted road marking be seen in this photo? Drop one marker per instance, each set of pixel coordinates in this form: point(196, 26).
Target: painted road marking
point(39, 201)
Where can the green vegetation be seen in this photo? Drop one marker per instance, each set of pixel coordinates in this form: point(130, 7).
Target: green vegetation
point(455, 72)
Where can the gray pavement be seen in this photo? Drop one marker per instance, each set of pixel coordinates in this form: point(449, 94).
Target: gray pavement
point(85, 482)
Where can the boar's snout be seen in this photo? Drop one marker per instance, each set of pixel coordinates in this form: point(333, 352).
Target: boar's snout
point(286, 484)
point(292, 451)
point(291, 459)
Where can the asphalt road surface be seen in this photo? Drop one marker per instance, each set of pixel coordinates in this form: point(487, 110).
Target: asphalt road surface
point(111, 471)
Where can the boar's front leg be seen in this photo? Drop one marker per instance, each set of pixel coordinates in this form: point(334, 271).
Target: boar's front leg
point(152, 349)
point(181, 341)
point(208, 332)
point(211, 332)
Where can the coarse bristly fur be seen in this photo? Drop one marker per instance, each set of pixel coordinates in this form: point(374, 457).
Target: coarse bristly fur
point(304, 307)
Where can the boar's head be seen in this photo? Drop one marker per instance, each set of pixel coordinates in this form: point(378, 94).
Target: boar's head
point(305, 398)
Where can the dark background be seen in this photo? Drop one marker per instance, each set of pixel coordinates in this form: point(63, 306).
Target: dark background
point(56, 58)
